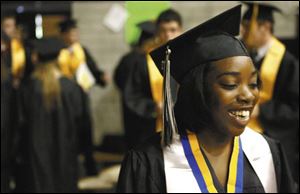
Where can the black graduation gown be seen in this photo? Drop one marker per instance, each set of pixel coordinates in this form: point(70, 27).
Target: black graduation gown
point(280, 116)
point(96, 72)
point(86, 140)
point(7, 133)
point(121, 77)
point(124, 68)
point(9, 110)
point(49, 145)
point(139, 103)
point(143, 170)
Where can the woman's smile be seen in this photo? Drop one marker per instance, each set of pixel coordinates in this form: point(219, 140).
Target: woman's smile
point(240, 116)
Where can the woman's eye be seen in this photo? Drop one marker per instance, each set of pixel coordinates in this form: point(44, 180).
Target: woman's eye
point(254, 85)
point(229, 86)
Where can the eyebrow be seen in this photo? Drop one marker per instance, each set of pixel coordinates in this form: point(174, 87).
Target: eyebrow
point(234, 73)
point(228, 73)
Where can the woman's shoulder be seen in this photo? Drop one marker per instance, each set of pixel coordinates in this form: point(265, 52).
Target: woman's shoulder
point(147, 154)
point(143, 169)
point(151, 146)
point(262, 151)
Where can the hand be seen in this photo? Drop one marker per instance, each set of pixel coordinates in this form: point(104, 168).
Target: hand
point(105, 78)
point(160, 108)
point(16, 83)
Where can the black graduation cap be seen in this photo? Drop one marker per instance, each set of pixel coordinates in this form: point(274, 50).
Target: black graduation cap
point(67, 24)
point(213, 40)
point(210, 41)
point(148, 30)
point(265, 11)
point(147, 26)
point(47, 48)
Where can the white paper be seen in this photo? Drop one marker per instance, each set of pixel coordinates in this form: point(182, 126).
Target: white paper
point(116, 18)
point(84, 77)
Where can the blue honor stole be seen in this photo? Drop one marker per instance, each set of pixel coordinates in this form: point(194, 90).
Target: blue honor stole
point(201, 171)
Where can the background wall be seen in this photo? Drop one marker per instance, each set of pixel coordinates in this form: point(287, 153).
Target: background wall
point(107, 47)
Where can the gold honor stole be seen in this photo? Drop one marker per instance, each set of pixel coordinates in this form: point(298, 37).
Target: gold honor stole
point(201, 171)
point(268, 74)
point(156, 84)
point(70, 59)
point(18, 58)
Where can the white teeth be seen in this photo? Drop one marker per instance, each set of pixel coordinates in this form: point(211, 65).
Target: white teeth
point(245, 114)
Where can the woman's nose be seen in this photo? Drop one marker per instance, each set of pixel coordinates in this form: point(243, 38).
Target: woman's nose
point(246, 95)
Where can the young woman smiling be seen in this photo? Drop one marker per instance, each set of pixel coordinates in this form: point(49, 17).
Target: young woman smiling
point(206, 146)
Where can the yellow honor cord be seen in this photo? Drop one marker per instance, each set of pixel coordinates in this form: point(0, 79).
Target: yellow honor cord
point(18, 58)
point(70, 59)
point(270, 68)
point(233, 167)
point(156, 84)
point(268, 74)
point(201, 163)
point(200, 160)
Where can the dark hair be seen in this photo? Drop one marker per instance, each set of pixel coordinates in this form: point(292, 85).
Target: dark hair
point(67, 25)
point(169, 15)
point(261, 21)
point(192, 107)
point(7, 15)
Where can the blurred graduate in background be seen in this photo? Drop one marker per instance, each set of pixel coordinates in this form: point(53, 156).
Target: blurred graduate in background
point(122, 75)
point(53, 118)
point(8, 118)
point(277, 113)
point(143, 90)
point(19, 61)
point(75, 61)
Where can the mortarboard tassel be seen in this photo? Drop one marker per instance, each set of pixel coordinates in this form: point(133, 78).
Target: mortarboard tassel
point(169, 122)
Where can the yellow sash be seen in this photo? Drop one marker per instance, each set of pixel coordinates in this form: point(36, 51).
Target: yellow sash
point(252, 27)
point(70, 59)
point(18, 58)
point(156, 84)
point(268, 74)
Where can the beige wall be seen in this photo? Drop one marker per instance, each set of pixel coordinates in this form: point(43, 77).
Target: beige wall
point(107, 47)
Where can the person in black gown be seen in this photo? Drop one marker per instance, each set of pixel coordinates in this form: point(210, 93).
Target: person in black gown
point(19, 60)
point(53, 118)
point(121, 76)
point(75, 54)
point(71, 59)
point(7, 116)
point(212, 150)
point(143, 86)
point(277, 114)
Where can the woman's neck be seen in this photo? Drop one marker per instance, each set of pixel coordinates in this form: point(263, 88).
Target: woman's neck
point(217, 148)
point(215, 143)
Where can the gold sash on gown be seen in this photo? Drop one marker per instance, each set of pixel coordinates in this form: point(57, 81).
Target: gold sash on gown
point(18, 58)
point(268, 74)
point(156, 84)
point(72, 62)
